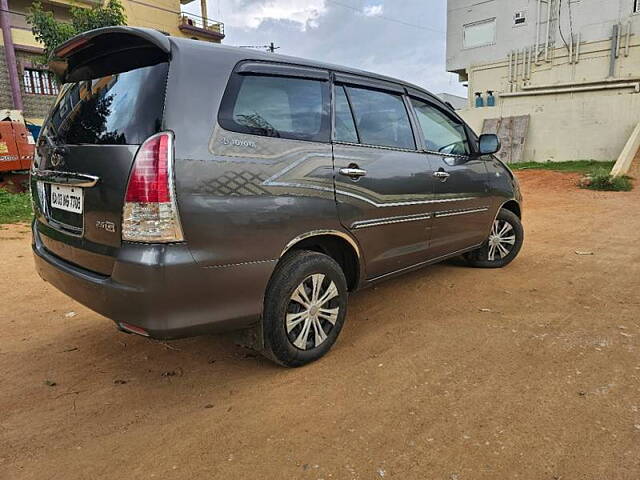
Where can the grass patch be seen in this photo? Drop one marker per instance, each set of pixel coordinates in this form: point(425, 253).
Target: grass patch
point(577, 166)
point(14, 207)
point(600, 179)
point(596, 174)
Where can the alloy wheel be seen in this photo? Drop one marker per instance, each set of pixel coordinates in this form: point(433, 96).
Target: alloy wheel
point(312, 312)
point(501, 240)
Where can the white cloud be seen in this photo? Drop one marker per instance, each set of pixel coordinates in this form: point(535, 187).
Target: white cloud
point(373, 10)
point(347, 32)
point(252, 13)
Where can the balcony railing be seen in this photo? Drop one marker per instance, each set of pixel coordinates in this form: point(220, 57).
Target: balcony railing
point(200, 26)
point(75, 3)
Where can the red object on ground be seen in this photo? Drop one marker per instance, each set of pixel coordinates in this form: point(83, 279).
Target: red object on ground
point(16, 147)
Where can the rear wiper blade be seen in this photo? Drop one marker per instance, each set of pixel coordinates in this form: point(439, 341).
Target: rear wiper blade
point(50, 139)
point(53, 144)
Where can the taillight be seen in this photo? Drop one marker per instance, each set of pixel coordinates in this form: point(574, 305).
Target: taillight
point(150, 211)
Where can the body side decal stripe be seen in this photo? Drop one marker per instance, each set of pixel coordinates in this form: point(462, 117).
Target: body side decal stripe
point(365, 199)
point(451, 213)
point(390, 220)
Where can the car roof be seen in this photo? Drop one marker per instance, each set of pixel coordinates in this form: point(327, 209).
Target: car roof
point(251, 54)
point(164, 41)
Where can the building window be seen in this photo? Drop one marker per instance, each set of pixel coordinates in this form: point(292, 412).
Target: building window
point(479, 34)
point(636, 6)
point(520, 18)
point(39, 82)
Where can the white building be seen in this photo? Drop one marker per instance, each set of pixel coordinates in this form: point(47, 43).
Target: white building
point(571, 66)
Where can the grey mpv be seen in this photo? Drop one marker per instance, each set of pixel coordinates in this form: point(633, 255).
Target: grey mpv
point(182, 188)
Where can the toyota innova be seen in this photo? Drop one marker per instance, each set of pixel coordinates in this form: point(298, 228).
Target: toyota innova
point(182, 187)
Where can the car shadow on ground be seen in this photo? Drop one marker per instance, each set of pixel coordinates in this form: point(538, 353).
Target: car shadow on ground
point(214, 364)
point(97, 341)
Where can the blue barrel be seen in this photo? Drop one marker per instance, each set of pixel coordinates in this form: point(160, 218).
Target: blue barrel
point(34, 129)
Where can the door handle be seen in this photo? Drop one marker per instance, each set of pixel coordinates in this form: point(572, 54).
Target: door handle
point(442, 175)
point(353, 172)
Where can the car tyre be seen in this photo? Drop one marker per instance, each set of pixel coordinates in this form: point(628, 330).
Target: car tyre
point(304, 309)
point(503, 245)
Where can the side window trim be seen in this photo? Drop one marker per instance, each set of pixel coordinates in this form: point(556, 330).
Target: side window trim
point(473, 140)
point(281, 70)
point(418, 137)
point(423, 140)
point(355, 124)
point(339, 82)
point(366, 82)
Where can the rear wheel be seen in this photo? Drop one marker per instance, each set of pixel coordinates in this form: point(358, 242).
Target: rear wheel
point(305, 308)
point(502, 246)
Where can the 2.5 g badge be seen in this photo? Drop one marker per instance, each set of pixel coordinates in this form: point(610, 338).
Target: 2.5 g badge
point(106, 225)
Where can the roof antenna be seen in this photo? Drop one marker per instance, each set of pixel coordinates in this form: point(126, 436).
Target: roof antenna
point(270, 48)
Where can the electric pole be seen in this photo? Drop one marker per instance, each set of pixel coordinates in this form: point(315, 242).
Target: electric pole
point(270, 48)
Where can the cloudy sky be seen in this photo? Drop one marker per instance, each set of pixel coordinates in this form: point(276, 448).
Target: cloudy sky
point(400, 38)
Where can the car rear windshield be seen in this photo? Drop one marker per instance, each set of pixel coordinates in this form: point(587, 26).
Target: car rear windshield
point(120, 109)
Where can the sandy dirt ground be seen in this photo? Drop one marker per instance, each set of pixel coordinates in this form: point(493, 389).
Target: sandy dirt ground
point(530, 372)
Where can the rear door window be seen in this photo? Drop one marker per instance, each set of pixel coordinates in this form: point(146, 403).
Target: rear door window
point(272, 106)
point(381, 118)
point(345, 128)
point(119, 109)
point(442, 133)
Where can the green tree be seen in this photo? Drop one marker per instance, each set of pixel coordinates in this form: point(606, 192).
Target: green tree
point(53, 33)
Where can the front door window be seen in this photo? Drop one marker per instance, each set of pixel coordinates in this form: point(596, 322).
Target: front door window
point(441, 133)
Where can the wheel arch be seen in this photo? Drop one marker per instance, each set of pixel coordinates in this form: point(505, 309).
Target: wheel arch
point(337, 245)
point(513, 206)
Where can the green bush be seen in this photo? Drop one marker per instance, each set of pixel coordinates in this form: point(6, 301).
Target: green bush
point(14, 207)
point(601, 179)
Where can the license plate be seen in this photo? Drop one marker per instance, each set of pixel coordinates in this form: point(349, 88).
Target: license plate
point(69, 199)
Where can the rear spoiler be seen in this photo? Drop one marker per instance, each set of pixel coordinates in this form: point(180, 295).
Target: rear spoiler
point(83, 57)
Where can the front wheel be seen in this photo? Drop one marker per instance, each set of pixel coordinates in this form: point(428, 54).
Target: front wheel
point(502, 246)
point(305, 308)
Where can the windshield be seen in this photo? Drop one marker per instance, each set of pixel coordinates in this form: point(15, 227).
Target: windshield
point(121, 109)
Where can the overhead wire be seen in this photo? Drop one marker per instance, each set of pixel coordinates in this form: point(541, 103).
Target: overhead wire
point(384, 17)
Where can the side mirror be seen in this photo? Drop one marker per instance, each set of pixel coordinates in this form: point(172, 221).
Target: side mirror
point(489, 144)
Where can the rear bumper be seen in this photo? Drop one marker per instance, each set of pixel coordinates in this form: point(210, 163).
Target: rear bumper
point(161, 289)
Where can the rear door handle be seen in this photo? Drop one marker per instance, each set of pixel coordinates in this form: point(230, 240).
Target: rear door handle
point(442, 175)
point(65, 178)
point(353, 172)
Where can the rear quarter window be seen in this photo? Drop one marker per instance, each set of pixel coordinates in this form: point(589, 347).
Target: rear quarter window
point(272, 106)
